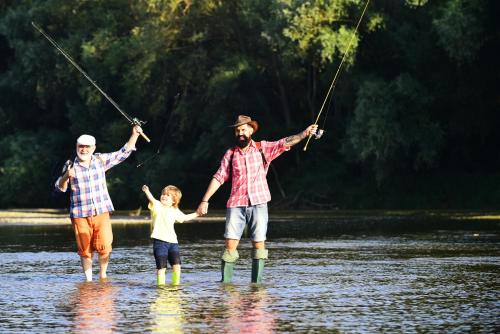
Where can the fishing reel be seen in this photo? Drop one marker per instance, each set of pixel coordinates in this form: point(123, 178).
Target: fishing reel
point(319, 133)
point(67, 165)
point(136, 121)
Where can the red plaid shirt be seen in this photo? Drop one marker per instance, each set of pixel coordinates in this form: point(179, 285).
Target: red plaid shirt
point(249, 183)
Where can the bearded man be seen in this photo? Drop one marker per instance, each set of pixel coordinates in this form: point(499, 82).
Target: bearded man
point(247, 165)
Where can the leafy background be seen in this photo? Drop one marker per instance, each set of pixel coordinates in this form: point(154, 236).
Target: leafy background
point(412, 123)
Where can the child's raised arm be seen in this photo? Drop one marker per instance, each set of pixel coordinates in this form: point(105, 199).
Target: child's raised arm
point(150, 196)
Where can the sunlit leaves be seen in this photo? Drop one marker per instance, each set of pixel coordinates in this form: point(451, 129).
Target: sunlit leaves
point(376, 21)
point(416, 3)
point(322, 29)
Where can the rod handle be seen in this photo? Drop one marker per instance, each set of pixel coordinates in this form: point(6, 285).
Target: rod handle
point(307, 143)
point(145, 137)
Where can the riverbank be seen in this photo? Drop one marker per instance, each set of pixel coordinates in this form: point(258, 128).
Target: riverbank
point(356, 219)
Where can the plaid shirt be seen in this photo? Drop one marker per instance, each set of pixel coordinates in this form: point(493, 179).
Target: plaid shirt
point(249, 183)
point(89, 193)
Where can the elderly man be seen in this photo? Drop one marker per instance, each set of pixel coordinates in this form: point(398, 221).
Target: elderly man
point(247, 164)
point(90, 202)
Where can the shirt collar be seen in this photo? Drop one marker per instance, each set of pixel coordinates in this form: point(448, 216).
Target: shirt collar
point(77, 161)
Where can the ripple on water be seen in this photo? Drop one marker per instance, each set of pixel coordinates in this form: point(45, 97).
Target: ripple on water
point(350, 284)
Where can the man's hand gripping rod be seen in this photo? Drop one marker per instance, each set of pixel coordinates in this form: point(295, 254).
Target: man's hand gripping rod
point(133, 121)
point(136, 121)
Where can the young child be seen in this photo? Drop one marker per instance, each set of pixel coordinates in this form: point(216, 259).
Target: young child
point(164, 214)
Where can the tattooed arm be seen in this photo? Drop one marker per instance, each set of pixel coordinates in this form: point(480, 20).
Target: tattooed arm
point(295, 139)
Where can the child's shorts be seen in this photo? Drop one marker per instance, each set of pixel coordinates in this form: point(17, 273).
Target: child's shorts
point(165, 251)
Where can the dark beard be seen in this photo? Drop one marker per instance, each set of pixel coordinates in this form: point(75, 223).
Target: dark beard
point(242, 142)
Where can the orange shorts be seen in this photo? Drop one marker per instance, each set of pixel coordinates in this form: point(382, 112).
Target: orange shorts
point(93, 234)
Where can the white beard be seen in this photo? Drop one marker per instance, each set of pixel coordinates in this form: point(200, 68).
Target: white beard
point(84, 157)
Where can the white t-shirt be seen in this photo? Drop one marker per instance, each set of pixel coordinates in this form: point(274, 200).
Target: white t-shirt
point(163, 220)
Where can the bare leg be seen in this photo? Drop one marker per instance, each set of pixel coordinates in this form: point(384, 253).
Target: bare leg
point(258, 244)
point(87, 268)
point(232, 244)
point(103, 265)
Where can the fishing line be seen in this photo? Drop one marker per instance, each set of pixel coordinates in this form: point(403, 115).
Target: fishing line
point(334, 81)
point(162, 141)
point(160, 147)
point(330, 100)
point(133, 121)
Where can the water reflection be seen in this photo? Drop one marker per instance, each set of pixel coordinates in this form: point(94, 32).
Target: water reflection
point(439, 282)
point(167, 310)
point(248, 312)
point(94, 307)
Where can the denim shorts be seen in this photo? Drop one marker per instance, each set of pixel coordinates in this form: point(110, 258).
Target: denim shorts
point(165, 251)
point(254, 216)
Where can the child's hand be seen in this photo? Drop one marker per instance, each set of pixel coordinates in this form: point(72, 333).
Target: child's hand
point(145, 188)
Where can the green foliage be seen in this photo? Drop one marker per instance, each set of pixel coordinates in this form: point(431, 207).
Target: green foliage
point(418, 95)
point(319, 29)
point(390, 123)
point(29, 167)
point(416, 3)
point(460, 28)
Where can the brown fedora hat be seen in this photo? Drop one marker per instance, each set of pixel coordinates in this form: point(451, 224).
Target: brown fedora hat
point(242, 119)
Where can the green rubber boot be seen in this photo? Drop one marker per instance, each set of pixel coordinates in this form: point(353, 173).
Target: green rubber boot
point(258, 259)
point(176, 278)
point(227, 266)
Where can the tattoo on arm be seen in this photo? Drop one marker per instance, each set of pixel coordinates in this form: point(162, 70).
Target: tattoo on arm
point(295, 139)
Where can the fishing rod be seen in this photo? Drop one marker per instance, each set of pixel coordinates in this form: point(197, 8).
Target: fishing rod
point(334, 81)
point(132, 120)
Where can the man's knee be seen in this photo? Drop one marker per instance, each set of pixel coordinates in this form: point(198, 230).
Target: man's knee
point(104, 255)
point(231, 244)
point(85, 253)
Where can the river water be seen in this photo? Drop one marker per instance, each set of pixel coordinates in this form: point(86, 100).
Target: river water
point(438, 281)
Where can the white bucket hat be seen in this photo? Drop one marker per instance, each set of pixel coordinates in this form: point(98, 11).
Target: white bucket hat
point(86, 140)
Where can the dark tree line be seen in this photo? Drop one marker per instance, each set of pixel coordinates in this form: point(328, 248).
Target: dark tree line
point(413, 122)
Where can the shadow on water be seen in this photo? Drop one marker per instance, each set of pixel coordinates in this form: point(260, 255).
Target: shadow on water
point(437, 281)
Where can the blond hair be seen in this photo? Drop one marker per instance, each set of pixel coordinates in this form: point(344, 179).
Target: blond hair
point(175, 193)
